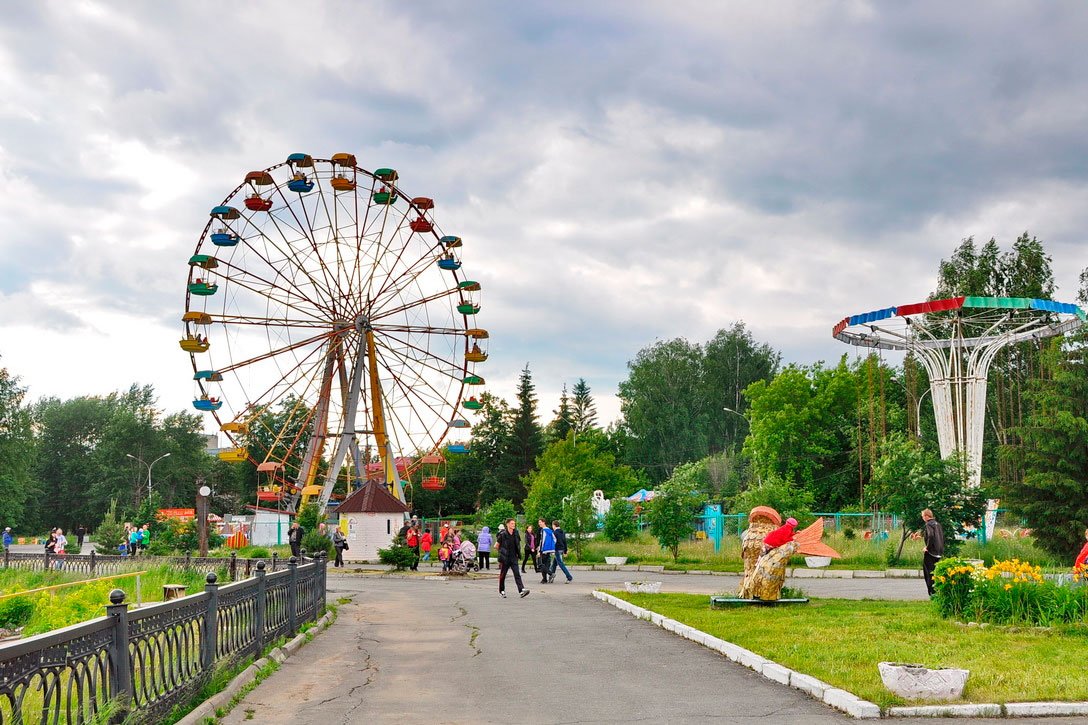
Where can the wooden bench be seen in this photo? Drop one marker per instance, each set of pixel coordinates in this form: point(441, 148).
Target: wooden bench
point(173, 591)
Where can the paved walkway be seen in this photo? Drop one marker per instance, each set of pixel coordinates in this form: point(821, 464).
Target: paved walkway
point(454, 652)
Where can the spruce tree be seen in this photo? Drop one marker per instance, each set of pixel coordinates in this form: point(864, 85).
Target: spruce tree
point(524, 441)
point(584, 412)
point(563, 422)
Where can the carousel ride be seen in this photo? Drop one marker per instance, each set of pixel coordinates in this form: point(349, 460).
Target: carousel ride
point(331, 328)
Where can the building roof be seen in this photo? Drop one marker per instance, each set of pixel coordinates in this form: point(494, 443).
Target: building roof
point(371, 498)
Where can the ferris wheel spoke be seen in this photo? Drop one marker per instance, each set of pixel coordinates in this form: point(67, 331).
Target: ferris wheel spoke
point(411, 271)
point(422, 301)
point(266, 321)
point(388, 328)
point(306, 229)
point(410, 391)
point(398, 228)
point(243, 280)
point(403, 357)
point(279, 351)
point(288, 255)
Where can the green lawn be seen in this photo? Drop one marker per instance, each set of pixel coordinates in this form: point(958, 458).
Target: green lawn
point(857, 553)
point(841, 641)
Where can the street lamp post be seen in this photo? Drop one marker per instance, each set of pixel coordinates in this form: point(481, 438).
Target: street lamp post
point(149, 466)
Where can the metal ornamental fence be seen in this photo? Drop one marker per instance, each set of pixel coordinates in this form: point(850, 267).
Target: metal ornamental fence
point(94, 564)
point(152, 659)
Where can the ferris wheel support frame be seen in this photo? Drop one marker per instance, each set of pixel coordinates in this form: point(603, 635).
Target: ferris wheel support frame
point(365, 351)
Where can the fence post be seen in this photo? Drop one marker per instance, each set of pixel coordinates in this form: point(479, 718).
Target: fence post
point(121, 688)
point(249, 565)
point(275, 556)
point(188, 559)
point(324, 563)
point(208, 643)
point(292, 595)
point(262, 592)
point(234, 566)
point(6, 555)
point(47, 562)
point(93, 561)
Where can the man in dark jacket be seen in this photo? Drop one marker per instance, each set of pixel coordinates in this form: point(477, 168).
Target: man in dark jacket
point(560, 552)
point(933, 536)
point(509, 544)
point(294, 538)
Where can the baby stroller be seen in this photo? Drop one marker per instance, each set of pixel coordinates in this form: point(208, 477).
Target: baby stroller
point(464, 559)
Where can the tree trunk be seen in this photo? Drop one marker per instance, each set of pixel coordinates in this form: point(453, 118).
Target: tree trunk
point(902, 540)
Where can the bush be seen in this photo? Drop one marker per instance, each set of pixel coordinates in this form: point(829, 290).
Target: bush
point(849, 534)
point(109, 534)
point(254, 552)
point(619, 522)
point(309, 516)
point(16, 611)
point(1009, 592)
point(315, 541)
point(782, 496)
point(398, 555)
point(495, 515)
point(953, 582)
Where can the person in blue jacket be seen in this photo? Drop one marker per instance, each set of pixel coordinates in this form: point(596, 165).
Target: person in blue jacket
point(7, 538)
point(547, 549)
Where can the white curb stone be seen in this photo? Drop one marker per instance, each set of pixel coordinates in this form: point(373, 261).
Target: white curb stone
point(1035, 709)
point(777, 673)
point(984, 710)
point(869, 574)
point(809, 685)
point(851, 704)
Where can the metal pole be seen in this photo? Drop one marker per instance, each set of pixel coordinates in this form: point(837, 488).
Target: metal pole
point(259, 617)
point(211, 624)
point(121, 688)
point(292, 596)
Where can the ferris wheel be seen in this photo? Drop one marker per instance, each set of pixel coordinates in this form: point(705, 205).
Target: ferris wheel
point(331, 328)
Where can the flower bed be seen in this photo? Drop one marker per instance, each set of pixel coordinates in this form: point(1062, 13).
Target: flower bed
point(1009, 592)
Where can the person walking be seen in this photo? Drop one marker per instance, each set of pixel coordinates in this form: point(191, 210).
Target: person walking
point(412, 540)
point(8, 538)
point(560, 552)
point(547, 549)
point(933, 537)
point(425, 543)
point(483, 548)
point(81, 534)
point(339, 543)
point(530, 548)
point(294, 538)
point(509, 550)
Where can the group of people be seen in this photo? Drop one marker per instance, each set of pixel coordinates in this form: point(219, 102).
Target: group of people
point(137, 539)
point(545, 547)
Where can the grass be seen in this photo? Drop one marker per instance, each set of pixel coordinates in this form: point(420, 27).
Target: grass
point(857, 553)
point(45, 611)
point(841, 641)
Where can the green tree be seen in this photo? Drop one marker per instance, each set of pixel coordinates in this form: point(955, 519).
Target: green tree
point(577, 517)
point(566, 467)
point(619, 522)
point(563, 423)
point(781, 495)
point(672, 514)
point(584, 410)
point(490, 431)
point(17, 482)
point(675, 392)
point(523, 443)
point(907, 478)
point(109, 534)
point(498, 513)
point(1053, 451)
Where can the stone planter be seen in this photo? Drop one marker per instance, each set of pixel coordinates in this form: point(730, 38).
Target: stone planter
point(615, 560)
point(817, 562)
point(642, 587)
point(918, 682)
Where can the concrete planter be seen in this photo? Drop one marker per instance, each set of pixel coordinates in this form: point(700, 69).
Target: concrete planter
point(920, 682)
point(817, 562)
point(615, 560)
point(642, 587)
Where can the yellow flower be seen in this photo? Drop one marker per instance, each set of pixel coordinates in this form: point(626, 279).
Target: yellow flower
point(1008, 587)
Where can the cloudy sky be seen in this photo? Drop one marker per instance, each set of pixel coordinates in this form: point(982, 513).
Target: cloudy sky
point(621, 172)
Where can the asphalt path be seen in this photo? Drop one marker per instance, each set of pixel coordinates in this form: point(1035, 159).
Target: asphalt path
point(419, 649)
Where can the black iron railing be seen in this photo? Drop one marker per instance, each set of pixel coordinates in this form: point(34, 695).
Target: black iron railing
point(146, 661)
point(94, 564)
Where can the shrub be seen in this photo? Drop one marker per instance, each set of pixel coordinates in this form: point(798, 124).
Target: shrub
point(1009, 592)
point(619, 522)
point(16, 611)
point(309, 516)
point(398, 555)
point(495, 515)
point(848, 533)
point(109, 534)
point(255, 552)
point(315, 541)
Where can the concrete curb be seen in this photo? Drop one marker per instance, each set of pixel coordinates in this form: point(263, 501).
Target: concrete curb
point(842, 700)
point(207, 708)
